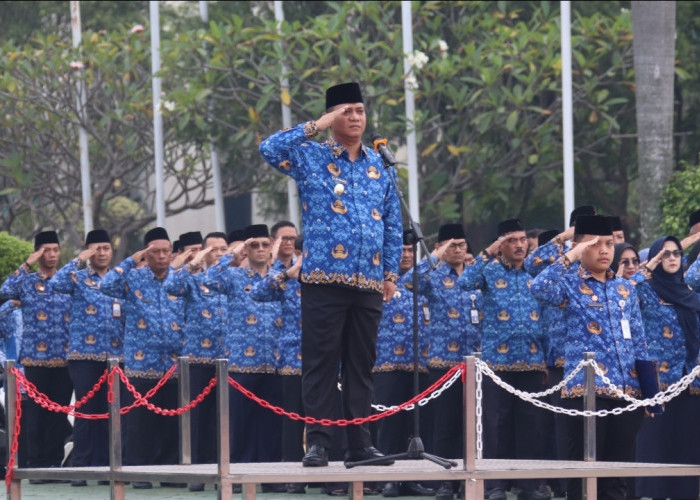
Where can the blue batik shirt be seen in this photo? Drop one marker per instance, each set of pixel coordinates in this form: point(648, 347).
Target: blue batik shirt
point(665, 337)
point(594, 312)
point(353, 238)
point(513, 338)
point(206, 315)
point(274, 288)
point(45, 318)
point(10, 329)
point(452, 334)
point(692, 275)
point(395, 333)
point(254, 328)
point(155, 319)
point(553, 322)
point(97, 324)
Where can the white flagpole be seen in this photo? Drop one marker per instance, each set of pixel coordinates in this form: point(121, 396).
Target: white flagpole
point(292, 199)
point(157, 116)
point(411, 147)
point(82, 133)
point(216, 170)
point(567, 110)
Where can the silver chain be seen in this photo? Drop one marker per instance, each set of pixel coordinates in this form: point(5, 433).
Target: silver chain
point(479, 412)
point(435, 394)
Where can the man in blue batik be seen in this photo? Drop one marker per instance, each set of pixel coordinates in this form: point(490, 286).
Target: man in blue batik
point(96, 333)
point(153, 339)
point(45, 317)
point(602, 316)
point(514, 345)
point(352, 246)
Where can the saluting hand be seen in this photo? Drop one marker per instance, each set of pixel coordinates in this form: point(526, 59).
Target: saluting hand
point(275, 250)
point(141, 254)
point(327, 119)
point(651, 264)
point(293, 271)
point(35, 256)
point(86, 254)
point(495, 247)
point(440, 251)
point(575, 253)
point(567, 235)
point(196, 261)
point(181, 258)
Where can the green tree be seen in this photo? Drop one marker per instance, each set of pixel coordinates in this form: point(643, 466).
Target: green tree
point(683, 186)
point(13, 252)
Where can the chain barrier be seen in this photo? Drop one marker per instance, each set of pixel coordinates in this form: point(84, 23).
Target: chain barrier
point(424, 401)
point(659, 398)
point(14, 446)
point(478, 377)
point(453, 373)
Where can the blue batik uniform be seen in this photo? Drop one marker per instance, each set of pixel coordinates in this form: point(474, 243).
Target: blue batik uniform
point(10, 329)
point(692, 275)
point(513, 338)
point(368, 210)
point(95, 333)
point(594, 312)
point(395, 333)
point(274, 288)
point(254, 326)
point(45, 318)
point(452, 335)
point(206, 312)
point(553, 319)
point(665, 337)
point(155, 319)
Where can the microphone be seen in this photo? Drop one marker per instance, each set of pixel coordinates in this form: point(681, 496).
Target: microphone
point(380, 146)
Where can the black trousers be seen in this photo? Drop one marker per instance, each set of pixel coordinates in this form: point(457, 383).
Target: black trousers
point(90, 437)
point(393, 388)
point(153, 439)
point(203, 417)
point(292, 430)
point(615, 440)
point(46, 430)
point(256, 432)
point(339, 331)
point(513, 428)
point(448, 419)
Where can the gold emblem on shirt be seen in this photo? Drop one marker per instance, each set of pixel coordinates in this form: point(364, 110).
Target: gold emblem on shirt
point(249, 351)
point(42, 316)
point(594, 328)
point(504, 316)
point(398, 318)
point(377, 258)
point(42, 347)
point(251, 320)
point(91, 310)
point(141, 324)
point(373, 172)
point(139, 356)
point(138, 294)
point(175, 327)
point(667, 333)
point(338, 207)
point(90, 340)
point(664, 367)
point(453, 313)
point(278, 322)
point(206, 313)
point(89, 282)
point(453, 346)
point(206, 343)
point(376, 215)
point(399, 350)
point(533, 348)
point(39, 286)
point(501, 283)
point(172, 297)
point(502, 348)
point(285, 165)
point(623, 291)
point(448, 282)
point(603, 368)
point(334, 169)
point(339, 252)
point(585, 289)
point(534, 316)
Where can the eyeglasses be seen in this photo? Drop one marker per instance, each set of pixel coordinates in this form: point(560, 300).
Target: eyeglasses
point(629, 262)
point(288, 239)
point(257, 244)
point(455, 246)
point(668, 253)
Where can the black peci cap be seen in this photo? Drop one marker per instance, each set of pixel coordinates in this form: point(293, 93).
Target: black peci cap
point(157, 233)
point(451, 231)
point(582, 210)
point(510, 226)
point(45, 237)
point(191, 238)
point(598, 225)
point(545, 236)
point(256, 231)
point(345, 93)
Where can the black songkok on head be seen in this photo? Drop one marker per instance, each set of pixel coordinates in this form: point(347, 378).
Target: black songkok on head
point(236, 235)
point(615, 223)
point(694, 218)
point(97, 236)
point(545, 236)
point(192, 238)
point(451, 231)
point(582, 210)
point(256, 231)
point(177, 246)
point(345, 93)
point(510, 226)
point(45, 237)
point(407, 237)
point(597, 225)
point(157, 233)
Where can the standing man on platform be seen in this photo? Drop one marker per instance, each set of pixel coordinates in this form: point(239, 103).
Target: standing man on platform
point(45, 316)
point(153, 339)
point(96, 334)
point(352, 247)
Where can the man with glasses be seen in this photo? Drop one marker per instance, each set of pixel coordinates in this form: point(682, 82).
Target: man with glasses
point(283, 234)
point(251, 339)
point(514, 345)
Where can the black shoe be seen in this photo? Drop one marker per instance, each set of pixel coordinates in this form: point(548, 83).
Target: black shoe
point(444, 492)
point(496, 494)
point(78, 482)
point(38, 481)
point(543, 492)
point(296, 488)
point(237, 488)
point(361, 454)
point(317, 456)
point(173, 485)
point(273, 488)
point(196, 487)
point(414, 489)
point(103, 483)
point(390, 490)
point(142, 485)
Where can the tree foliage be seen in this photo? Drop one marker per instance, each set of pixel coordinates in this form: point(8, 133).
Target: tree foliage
point(13, 252)
point(677, 203)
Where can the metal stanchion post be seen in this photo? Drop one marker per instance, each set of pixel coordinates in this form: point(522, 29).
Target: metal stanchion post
point(473, 488)
point(117, 491)
point(185, 418)
point(589, 431)
point(224, 465)
point(11, 407)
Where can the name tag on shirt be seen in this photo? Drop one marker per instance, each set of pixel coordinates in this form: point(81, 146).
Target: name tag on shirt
point(626, 333)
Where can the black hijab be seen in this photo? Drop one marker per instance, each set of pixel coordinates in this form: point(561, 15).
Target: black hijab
point(673, 289)
point(619, 248)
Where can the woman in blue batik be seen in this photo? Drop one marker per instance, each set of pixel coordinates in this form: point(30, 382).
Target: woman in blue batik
point(670, 313)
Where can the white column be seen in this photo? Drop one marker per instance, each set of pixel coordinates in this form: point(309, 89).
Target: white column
point(567, 110)
point(157, 116)
point(411, 148)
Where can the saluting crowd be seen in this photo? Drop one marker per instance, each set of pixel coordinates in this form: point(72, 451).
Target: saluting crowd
point(271, 303)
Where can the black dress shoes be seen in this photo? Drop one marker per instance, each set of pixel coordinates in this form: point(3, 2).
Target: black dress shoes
point(414, 489)
point(78, 482)
point(445, 491)
point(142, 485)
point(361, 454)
point(296, 488)
point(317, 456)
point(390, 490)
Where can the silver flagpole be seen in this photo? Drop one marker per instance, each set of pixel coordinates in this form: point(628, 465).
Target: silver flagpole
point(411, 147)
point(157, 116)
point(567, 110)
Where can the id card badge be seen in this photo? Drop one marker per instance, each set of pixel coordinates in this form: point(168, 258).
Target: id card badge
point(473, 312)
point(626, 333)
point(426, 312)
point(116, 310)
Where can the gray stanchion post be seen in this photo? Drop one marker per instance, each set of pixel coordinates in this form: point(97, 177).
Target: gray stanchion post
point(224, 465)
point(115, 434)
point(185, 418)
point(589, 432)
point(11, 405)
point(473, 488)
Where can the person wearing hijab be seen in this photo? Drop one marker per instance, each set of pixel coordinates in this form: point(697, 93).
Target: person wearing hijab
point(625, 261)
point(670, 314)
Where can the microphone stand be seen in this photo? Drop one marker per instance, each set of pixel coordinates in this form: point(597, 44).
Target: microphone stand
point(416, 449)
